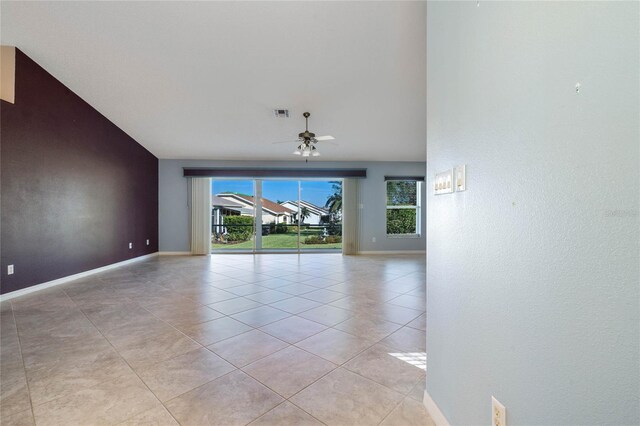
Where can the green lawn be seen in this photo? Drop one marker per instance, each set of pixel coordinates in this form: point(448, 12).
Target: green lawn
point(278, 241)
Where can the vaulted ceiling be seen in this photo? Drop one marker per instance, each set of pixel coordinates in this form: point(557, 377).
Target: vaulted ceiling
point(200, 80)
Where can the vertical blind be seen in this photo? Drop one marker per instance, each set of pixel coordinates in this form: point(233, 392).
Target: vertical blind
point(350, 216)
point(200, 215)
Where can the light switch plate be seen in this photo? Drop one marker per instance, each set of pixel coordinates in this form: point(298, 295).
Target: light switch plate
point(460, 178)
point(498, 413)
point(443, 183)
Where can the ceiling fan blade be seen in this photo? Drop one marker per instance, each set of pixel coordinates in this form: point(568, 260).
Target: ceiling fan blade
point(291, 141)
point(324, 138)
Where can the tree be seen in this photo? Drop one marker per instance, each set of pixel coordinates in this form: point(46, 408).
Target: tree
point(334, 204)
point(304, 213)
point(334, 201)
point(401, 193)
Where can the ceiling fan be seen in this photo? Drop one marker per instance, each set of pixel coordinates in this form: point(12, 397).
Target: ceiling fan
point(308, 140)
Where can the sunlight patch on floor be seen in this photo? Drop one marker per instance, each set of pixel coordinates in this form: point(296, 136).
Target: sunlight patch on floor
point(417, 359)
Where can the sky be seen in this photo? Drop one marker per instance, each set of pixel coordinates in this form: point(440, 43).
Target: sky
point(313, 191)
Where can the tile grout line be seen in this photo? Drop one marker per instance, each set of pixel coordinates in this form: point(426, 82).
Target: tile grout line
point(157, 318)
point(93, 325)
point(283, 402)
point(198, 387)
point(24, 367)
point(338, 366)
point(124, 360)
point(289, 398)
point(392, 410)
point(261, 304)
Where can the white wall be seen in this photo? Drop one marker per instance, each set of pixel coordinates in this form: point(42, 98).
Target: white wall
point(174, 211)
point(533, 272)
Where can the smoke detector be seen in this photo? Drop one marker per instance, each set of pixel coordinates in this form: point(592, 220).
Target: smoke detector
point(281, 113)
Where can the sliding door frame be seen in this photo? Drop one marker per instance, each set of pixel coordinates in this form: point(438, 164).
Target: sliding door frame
point(257, 218)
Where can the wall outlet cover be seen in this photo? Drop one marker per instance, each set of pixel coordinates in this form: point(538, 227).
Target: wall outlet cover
point(10, 270)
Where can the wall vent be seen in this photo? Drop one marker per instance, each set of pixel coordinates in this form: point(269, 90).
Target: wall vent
point(281, 113)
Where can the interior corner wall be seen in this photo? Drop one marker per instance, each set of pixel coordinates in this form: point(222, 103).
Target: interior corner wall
point(174, 208)
point(533, 272)
point(76, 189)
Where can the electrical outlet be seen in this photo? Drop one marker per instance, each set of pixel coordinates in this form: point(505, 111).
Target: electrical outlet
point(10, 270)
point(147, 242)
point(130, 245)
point(498, 413)
point(373, 239)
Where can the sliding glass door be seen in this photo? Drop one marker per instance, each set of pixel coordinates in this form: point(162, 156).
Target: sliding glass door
point(276, 215)
point(279, 215)
point(233, 215)
point(320, 215)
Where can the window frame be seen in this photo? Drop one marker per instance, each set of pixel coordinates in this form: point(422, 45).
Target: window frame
point(417, 208)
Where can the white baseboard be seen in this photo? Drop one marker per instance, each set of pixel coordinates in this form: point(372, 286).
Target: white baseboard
point(174, 253)
point(393, 252)
point(38, 287)
point(434, 411)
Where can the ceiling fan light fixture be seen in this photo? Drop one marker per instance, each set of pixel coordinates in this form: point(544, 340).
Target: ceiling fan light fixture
point(308, 140)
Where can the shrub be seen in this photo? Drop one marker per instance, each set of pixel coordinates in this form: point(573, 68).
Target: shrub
point(280, 228)
point(239, 228)
point(334, 228)
point(317, 239)
point(314, 239)
point(401, 221)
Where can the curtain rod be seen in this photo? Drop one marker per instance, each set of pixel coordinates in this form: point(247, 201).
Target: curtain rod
point(273, 173)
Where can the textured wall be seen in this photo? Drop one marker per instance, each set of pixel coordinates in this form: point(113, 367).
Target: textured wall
point(533, 272)
point(75, 188)
point(174, 211)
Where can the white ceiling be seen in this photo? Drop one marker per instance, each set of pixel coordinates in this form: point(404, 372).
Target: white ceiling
point(200, 80)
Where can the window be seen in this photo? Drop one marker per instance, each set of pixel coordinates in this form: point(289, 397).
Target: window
point(403, 207)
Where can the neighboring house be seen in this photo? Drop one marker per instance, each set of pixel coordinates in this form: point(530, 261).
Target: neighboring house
point(271, 212)
point(317, 215)
point(221, 207)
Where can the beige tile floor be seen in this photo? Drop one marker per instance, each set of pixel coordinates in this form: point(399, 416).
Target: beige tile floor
point(227, 340)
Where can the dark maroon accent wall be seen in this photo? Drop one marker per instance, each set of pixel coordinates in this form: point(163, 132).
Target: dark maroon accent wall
point(75, 188)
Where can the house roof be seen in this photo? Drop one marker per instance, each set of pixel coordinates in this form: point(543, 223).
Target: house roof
point(310, 206)
point(223, 202)
point(267, 204)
